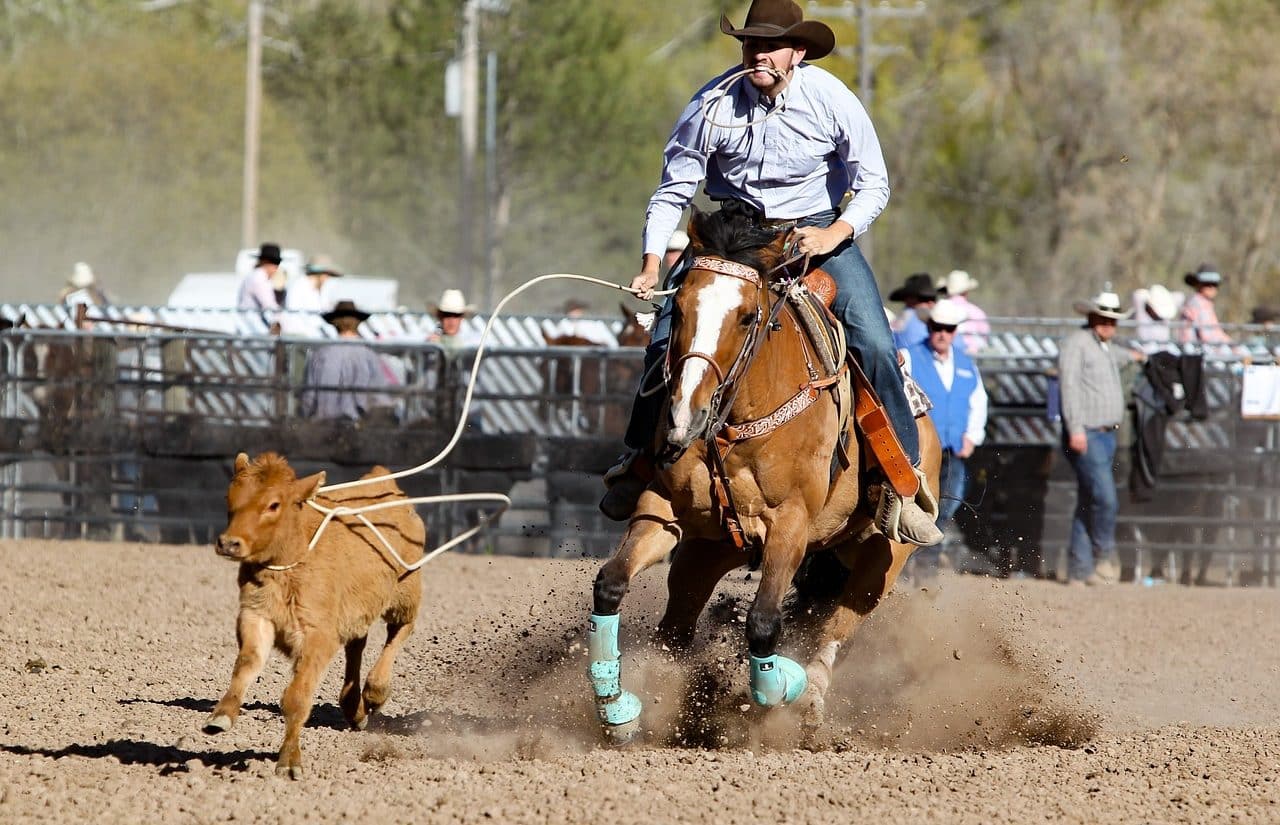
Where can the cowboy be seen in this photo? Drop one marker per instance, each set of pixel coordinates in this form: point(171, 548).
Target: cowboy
point(949, 377)
point(1093, 406)
point(258, 289)
point(789, 140)
point(976, 328)
point(83, 288)
point(916, 293)
point(1154, 307)
point(1200, 317)
point(341, 380)
point(450, 312)
point(308, 292)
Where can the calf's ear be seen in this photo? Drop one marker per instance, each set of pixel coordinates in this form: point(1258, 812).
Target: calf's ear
point(306, 487)
point(242, 463)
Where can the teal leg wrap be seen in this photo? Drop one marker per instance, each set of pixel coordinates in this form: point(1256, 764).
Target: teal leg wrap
point(614, 705)
point(776, 680)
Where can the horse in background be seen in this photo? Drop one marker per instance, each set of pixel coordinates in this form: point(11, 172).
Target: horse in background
point(590, 393)
point(747, 477)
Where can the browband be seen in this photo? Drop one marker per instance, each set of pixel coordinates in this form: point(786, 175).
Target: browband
point(731, 268)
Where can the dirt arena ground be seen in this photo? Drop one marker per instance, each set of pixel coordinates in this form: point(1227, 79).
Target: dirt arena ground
point(975, 701)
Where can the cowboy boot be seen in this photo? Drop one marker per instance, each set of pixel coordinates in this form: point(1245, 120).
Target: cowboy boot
point(912, 521)
point(625, 481)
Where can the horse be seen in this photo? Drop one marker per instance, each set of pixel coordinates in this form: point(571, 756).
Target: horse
point(737, 355)
point(601, 384)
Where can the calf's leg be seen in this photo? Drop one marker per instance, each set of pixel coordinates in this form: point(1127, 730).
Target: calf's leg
point(349, 699)
point(378, 686)
point(255, 636)
point(299, 696)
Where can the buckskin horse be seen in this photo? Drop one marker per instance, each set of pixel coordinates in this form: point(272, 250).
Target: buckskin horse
point(748, 475)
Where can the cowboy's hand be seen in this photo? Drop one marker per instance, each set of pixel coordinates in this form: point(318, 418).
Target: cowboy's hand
point(643, 284)
point(1079, 443)
point(966, 448)
point(814, 240)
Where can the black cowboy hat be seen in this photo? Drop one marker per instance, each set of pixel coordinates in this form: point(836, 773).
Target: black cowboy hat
point(1205, 275)
point(920, 285)
point(783, 20)
point(345, 309)
point(269, 254)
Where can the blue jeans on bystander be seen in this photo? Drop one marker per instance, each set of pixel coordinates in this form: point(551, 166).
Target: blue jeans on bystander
point(1093, 528)
point(951, 495)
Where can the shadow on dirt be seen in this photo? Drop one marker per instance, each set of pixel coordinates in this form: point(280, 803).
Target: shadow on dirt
point(323, 715)
point(168, 758)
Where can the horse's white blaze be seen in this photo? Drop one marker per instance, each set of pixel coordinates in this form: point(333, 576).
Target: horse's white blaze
point(715, 301)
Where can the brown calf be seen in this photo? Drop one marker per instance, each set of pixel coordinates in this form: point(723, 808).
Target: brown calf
point(309, 603)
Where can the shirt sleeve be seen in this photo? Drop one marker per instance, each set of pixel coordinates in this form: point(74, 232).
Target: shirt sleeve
point(684, 166)
point(976, 428)
point(859, 148)
point(1070, 375)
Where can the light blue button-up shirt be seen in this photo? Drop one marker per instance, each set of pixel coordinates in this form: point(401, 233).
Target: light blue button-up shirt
point(799, 162)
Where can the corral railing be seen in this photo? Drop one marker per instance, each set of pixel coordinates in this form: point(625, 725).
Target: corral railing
point(130, 429)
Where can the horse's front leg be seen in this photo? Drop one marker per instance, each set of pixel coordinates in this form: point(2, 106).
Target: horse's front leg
point(696, 569)
point(873, 566)
point(776, 680)
point(652, 534)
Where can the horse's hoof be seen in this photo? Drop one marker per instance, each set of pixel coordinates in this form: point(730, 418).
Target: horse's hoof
point(622, 735)
point(360, 724)
point(217, 723)
point(289, 771)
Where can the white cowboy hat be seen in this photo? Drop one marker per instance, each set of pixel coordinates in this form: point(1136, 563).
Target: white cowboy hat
point(679, 240)
point(945, 312)
point(81, 275)
point(1105, 303)
point(958, 283)
point(452, 302)
point(1161, 303)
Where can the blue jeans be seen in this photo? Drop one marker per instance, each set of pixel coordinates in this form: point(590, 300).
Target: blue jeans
point(1093, 528)
point(950, 497)
point(857, 305)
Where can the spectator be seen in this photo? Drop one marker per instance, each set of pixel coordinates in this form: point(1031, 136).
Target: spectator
point(976, 328)
point(917, 292)
point(83, 288)
point(1198, 313)
point(258, 289)
point(1093, 405)
point(308, 292)
point(1268, 318)
point(675, 249)
point(450, 312)
point(575, 324)
point(1154, 308)
point(950, 378)
point(342, 380)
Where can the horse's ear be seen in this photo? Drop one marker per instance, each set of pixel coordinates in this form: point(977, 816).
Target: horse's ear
point(694, 229)
point(772, 254)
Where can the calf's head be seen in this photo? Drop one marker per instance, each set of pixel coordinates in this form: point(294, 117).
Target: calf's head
point(265, 504)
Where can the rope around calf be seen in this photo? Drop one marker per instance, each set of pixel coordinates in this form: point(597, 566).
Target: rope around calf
point(330, 513)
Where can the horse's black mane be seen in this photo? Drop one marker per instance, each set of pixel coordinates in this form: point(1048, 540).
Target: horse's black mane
point(733, 233)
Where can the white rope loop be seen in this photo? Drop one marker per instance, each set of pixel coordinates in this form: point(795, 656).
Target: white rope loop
point(503, 501)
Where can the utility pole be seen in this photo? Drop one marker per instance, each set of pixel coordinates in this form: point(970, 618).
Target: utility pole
point(468, 121)
point(252, 129)
point(490, 177)
point(868, 51)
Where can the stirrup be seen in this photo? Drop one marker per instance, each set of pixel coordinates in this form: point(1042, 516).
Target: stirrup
point(621, 468)
point(909, 522)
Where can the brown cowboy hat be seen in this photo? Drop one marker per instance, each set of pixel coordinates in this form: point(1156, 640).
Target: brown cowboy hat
point(919, 285)
point(783, 20)
point(345, 309)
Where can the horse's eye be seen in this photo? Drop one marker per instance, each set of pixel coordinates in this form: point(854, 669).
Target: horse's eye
point(747, 319)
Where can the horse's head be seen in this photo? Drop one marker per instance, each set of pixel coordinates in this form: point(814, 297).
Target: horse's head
point(719, 311)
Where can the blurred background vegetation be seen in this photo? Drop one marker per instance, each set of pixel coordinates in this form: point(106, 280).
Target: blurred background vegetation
point(1046, 146)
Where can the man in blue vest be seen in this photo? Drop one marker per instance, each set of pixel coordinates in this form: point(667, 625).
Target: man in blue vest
point(951, 380)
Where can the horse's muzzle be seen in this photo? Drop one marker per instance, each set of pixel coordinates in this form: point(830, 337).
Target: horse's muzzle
point(681, 437)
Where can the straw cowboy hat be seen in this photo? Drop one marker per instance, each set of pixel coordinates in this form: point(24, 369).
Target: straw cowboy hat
point(920, 285)
point(1206, 275)
point(81, 276)
point(679, 240)
point(1160, 302)
point(783, 19)
point(323, 265)
point(452, 302)
point(958, 282)
point(946, 313)
point(345, 309)
point(1105, 304)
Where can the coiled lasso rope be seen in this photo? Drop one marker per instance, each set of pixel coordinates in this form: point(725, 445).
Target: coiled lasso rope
point(330, 513)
